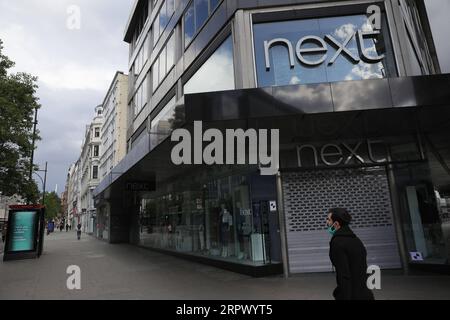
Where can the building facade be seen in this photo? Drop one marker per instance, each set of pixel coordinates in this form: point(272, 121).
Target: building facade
point(114, 129)
point(73, 195)
point(89, 171)
point(113, 137)
point(355, 90)
point(65, 202)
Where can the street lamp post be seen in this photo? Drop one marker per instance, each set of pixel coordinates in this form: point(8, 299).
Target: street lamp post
point(32, 147)
point(5, 207)
point(42, 218)
point(44, 182)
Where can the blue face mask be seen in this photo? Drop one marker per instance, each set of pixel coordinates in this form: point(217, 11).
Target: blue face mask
point(332, 230)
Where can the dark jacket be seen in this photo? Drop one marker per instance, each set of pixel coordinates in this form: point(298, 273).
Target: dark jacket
point(348, 256)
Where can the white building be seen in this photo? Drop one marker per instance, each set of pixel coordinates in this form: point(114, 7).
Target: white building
point(73, 194)
point(89, 170)
point(114, 131)
point(5, 202)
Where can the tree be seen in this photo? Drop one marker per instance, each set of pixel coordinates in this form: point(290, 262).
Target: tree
point(52, 205)
point(18, 103)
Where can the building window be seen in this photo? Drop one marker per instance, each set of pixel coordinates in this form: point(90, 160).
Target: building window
point(162, 19)
point(219, 64)
point(140, 98)
point(201, 12)
point(141, 57)
point(96, 151)
point(155, 29)
point(164, 63)
point(170, 48)
point(196, 16)
point(310, 51)
point(189, 25)
point(97, 132)
point(213, 4)
point(95, 172)
point(141, 23)
point(168, 119)
point(155, 74)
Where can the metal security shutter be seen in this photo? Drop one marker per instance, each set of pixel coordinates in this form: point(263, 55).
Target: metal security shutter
point(364, 192)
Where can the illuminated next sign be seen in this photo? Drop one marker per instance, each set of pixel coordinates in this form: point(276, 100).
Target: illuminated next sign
point(322, 49)
point(337, 154)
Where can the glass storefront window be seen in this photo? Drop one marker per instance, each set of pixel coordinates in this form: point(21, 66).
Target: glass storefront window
point(221, 65)
point(103, 223)
point(216, 219)
point(282, 58)
point(424, 192)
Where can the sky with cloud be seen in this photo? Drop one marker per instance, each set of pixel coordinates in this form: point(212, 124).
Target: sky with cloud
point(75, 66)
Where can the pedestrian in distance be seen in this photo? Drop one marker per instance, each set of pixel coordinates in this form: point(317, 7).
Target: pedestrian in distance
point(349, 258)
point(79, 231)
point(67, 227)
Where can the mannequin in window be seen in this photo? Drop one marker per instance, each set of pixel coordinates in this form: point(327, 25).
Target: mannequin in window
point(201, 236)
point(226, 222)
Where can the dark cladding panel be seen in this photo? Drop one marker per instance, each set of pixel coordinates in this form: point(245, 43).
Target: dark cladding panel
point(361, 95)
point(420, 91)
point(318, 98)
point(436, 119)
point(215, 106)
point(244, 4)
point(402, 90)
point(314, 98)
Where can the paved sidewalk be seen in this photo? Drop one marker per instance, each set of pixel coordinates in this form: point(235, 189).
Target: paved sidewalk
point(128, 272)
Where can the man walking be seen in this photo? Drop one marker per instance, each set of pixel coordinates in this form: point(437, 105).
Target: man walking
point(348, 256)
point(79, 231)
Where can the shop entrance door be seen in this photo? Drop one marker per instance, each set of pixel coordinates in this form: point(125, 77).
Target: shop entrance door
point(266, 238)
point(308, 195)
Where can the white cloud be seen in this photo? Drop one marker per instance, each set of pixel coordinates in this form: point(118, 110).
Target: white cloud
point(74, 68)
point(345, 31)
point(295, 80)
point(75, 76)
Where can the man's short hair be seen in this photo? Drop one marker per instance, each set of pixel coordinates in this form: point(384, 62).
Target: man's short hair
point(341, 215)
